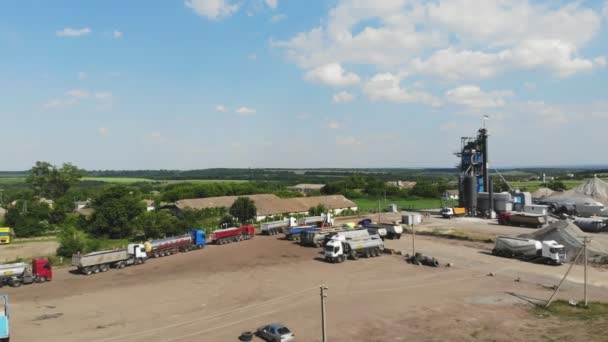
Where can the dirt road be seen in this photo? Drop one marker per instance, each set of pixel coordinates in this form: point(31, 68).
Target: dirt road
point(216, 293)
point(27, 250)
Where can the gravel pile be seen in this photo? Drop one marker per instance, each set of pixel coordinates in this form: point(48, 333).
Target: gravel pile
point(593, 189)
point(568, 234)
point(542, 193)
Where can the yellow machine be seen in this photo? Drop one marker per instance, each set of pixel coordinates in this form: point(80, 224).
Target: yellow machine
point(6, 234)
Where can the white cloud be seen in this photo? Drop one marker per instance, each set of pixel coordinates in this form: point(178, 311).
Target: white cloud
point(245, 111)
point(278, 17)
point(212, 9)
point(334, 125)
point(343, 97)
point(103, 95)
point(70, 32)
point(549, 114)
point(272, 3)
point(530, 85)
point(77, 93)
point(333, 75)
point(347, 141)
point(453, 64)
point(303, 116)
point(473, 97)
point(82, 75)
point(103, 131)
point(253, 56)
point(60, 104)
point(221, 108)
point(117, 34)
point(387, 87)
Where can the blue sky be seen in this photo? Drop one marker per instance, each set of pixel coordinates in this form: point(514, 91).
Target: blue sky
point(286, 83)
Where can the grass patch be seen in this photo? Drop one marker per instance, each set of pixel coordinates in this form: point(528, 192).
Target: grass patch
point(563, 310)
point(371, 205)
point(126, 180)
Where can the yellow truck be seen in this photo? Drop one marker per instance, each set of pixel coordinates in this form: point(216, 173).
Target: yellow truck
point(451, 212)
point(6, 234)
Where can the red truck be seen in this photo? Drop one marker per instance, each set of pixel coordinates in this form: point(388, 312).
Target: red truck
point(234, 234)
point(20, 273)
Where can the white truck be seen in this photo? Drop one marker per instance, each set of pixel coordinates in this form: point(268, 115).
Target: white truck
point(276, 227)
point(340, 247)
point(96, 262)
point(322, 220)
point(388, 231)
point(530, 250)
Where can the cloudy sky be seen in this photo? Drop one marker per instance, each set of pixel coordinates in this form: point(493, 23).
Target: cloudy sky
point(290, 83)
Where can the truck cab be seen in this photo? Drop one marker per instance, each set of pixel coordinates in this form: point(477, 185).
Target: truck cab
point(554, 252)
point(4, 319)
point(137, 251)
point(6, 234)
point(198, 238)
point(334, 249)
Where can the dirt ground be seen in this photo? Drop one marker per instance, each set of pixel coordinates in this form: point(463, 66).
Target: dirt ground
point(216, 293)
point(27, 250)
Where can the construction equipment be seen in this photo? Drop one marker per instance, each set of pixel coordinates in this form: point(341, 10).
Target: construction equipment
point(530, 250)
point(96, 262)
point(21, 273)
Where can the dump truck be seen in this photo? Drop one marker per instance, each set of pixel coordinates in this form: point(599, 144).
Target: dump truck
point(522, 219)
point(233, 234)
point(321, 220)
point(317, 238)
point(4, 319)
point(293, 233)
point(195, 239)
point(453, 212)
point(102, 261)
point(339, 248)
point(21, 273)
point(277, 227)
point(389, 231)
point(549, 251)
point(6, 235)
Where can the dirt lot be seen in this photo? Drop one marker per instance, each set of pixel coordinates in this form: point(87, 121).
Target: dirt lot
point(216, 293)
point(27, 250)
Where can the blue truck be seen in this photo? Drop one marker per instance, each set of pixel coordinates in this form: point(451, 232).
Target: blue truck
point(293, 234)
point(4, 333)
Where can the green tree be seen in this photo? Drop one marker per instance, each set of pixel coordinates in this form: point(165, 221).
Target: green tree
point(156, 224)
point(556, 185)
point(28, 218)
point(243, 209)
point(115, 209)
point(49, 181)
point(318, 210)
point(72, 241)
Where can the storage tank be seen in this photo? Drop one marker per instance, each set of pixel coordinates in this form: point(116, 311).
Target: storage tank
point(591, 225)
point(470, 188)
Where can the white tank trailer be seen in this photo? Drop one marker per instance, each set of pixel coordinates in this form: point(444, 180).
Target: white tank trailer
point(339, 248)
point(101, 261)
point(389, 231)
point(530, 250)
point(276, 227)
point(592, 225)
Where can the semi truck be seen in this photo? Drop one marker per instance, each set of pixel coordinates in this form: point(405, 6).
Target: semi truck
point(317, 238)
point(389, 231)
point(453, 212)
point(21, 273)
point(102, 261)
point(4, 319)
point(6, 235)
point(321, 220)
point(339, 248)
point(522, 219)
point(277, 227)
point(293, 234)
point(195, 239)
point(530, 250)
point(234, 234)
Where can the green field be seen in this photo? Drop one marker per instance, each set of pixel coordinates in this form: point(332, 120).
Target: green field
point(120, 180)
point(532, 186)
point(371, 205)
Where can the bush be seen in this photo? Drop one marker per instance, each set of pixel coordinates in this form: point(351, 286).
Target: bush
point(72, 241)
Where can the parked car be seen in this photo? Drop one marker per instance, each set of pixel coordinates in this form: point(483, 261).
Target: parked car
point(275, 332)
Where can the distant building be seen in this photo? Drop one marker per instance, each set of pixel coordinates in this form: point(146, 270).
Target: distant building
point(306, 188)
point(82, 204)
point(85, 212)
point(401, 184)
point(271, 205)
point(450, 195)
point(149, 204)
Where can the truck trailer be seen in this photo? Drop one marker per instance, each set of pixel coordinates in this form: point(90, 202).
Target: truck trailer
point(530, 250)
point(277, 227)
point(318, 238)
point(294, 233)
point(195, 239)
point(234, 234)
point(101, 261)
point(339, 248)
point(21, 273)
point(522, 219)
point(4, 319)
point(389, 231)
point(453, 212)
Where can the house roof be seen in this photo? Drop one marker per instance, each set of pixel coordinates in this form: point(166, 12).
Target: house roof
point(148, 202)
point(86, 212)
point(268, 204)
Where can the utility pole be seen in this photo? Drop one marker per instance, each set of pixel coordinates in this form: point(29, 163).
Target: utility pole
point(323, 323)
point(585, 241)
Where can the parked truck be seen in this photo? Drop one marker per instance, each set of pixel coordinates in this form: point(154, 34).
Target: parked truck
point(21, 273)
point(325, 220)
point(195, 239)
point(453, 212)
point(234, 234)
point(339, 248)
point(294, 233)
point(277, 227)
point(389, 231)
point(592, 224)
point(6, 235)
point(522, 219)
point(102, 261)
point(4, 319)
point(530, 250)
point(317, 238)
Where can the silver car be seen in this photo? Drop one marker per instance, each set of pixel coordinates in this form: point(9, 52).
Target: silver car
point(275, 332)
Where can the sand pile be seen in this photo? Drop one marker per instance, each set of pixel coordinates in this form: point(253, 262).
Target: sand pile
point(595, 189)
point(542, 193)
point(571, 236)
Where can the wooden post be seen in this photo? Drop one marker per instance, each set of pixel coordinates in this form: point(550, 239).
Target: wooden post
point(564, 278)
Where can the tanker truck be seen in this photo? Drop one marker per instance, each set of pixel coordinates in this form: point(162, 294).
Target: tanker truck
point(101, 261)
point(276, 227)
point(195, 239)
point(340, 247)
point(21, 273)
point(389, 231)
point(530, 250)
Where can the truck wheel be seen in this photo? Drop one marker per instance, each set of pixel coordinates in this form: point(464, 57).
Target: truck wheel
point(87, 270)
point(121, 265)
point(15, 283)
point(368, 253)
point(95, 269)
point(354, 255)
point(342, 258)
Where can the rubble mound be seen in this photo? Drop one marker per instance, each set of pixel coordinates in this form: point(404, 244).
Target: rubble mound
point(542, 193)
point(571, 237)
point(594, 188)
